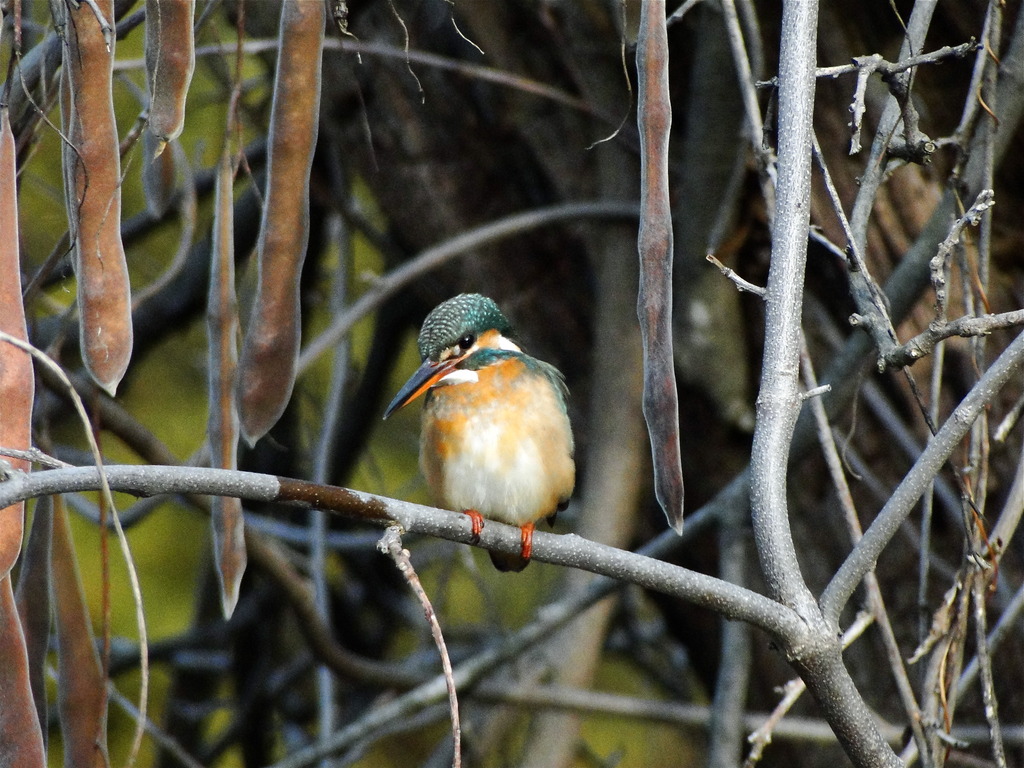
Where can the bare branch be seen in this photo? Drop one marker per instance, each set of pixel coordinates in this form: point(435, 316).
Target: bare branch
point(458, 246)
point(792, 691)
point(391, 544)
point(866, 553)
point(940, 261)
point(870, 64)
point(921, 345)
point(778, 401)
point(568, 550)
point(741, 284)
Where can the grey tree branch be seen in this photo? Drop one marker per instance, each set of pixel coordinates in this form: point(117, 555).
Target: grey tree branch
point(875, 63)
point(875, 598)
point(865, 554)
point(567, 550)
point(778, 403)
point(740, 283)
point(736, 657)
point(461, 245)
point(875, 167)
point(762, 736)
point(967, 326)
point(766, 160)
point(867, 294)
point(816, 652)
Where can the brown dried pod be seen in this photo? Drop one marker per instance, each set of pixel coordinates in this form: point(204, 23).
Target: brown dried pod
point(20, 733)
point(170, 61)
point(16, 377)
point(82, 693)
point(92, 168)
point(159, 174)
point(654, 305)
point(222, 430)
point(269, 354)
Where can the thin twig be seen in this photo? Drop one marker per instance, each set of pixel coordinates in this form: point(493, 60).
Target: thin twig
point(968, 119)
point(766, 159)
point(735, 669)
point(857, 108)
point(889, 519)
point(876, 166)
point(108, 31)
point(35, 456)
point(1009, 420)
point(162, 738)
point(741, 284)
point(1005, 627)
point(795, 728)
point(937, 265)
point(875, 63)
point(979, 590)
point(928, 502)
point(678, 13)
point(325, 454)
point(391, 544)
point(967, 326)
point(411, 56)
point(816, 392)
point(868, 296)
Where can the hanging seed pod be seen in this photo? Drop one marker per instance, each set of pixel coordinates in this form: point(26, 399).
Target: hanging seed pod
point(170, 61)
point(82, 694)
point(222, 430)
point(92, 185)
point(16, 377)
point(654, 304)
point(159, 174)
point(20, 733)
point(271, 348)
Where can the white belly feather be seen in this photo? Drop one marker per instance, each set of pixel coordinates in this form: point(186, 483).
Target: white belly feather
point(509, 487)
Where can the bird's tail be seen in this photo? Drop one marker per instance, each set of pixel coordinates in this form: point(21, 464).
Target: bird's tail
point(509, 563)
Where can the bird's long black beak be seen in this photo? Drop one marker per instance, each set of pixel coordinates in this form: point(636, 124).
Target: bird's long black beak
point(423, 379)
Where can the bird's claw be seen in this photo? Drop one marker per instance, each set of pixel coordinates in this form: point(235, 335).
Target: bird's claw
point(477, 521)
point(526, 541)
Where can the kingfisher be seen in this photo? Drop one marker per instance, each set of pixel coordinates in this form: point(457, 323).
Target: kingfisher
point(495, 440)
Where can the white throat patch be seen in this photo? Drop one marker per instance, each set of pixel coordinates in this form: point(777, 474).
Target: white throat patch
point(458, 376)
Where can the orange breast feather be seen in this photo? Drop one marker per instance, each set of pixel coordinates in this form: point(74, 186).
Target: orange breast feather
point(501, 445)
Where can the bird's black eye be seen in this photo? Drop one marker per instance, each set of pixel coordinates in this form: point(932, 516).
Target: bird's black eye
point(467, 341)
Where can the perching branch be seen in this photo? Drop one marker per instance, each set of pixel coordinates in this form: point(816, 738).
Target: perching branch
point(568, 550)
point(778, 402)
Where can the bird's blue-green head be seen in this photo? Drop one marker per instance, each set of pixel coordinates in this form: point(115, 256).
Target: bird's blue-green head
point(457, 324)
point(453, 331)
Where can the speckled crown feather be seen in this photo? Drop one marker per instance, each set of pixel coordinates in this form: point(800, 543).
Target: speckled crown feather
point(450, 320)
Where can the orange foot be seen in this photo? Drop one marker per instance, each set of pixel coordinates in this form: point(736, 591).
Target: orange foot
point(478, 523)
point(526, 541)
